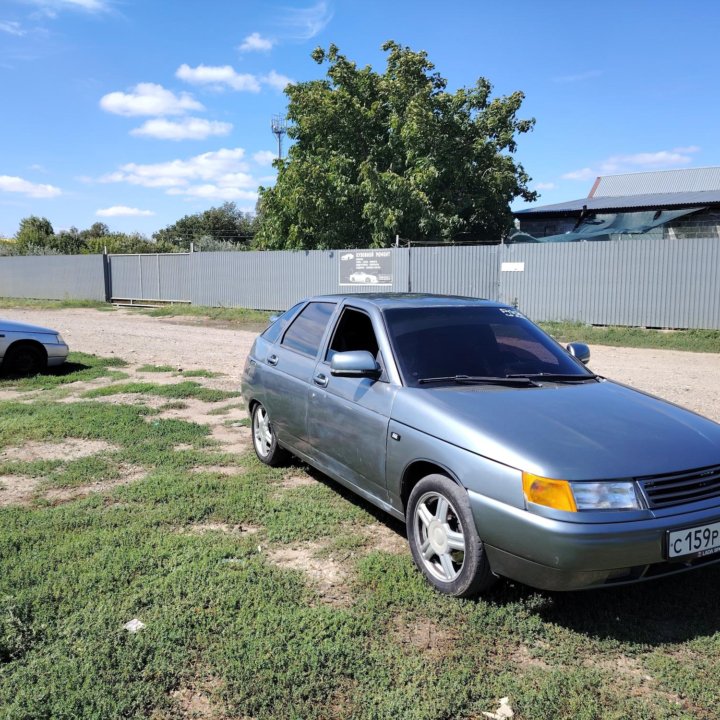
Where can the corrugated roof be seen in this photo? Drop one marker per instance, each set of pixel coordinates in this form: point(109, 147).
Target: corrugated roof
point(637, 202)
point(657, 182)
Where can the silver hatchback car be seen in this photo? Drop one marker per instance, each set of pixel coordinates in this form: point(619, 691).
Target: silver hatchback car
point(29, 349)
point(503, 454)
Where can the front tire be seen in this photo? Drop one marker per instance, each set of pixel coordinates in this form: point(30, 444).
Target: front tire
point(24, 359)
point(264, 440)
point(443, 539)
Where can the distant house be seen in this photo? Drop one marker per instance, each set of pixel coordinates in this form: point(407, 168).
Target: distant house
point(667, 203)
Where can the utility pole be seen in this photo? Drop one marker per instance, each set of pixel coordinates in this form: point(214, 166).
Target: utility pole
point(278, 125)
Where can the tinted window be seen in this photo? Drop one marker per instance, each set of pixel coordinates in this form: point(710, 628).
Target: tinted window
point(275, 330)
point(447, 341)
point(306, 331)
point(353, 332)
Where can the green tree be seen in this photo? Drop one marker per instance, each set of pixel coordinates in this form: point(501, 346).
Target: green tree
point(96, 230)
point(219, 224)
point(376, 155)
point(34, 232)
point(68, 242)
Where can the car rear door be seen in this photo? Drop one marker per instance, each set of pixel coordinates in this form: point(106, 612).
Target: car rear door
point(289, 365)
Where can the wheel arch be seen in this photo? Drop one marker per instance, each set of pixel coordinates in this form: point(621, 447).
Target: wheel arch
point(416, 470)
point(26, 342)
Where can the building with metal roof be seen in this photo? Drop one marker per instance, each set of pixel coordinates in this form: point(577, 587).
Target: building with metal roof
point(665, 203)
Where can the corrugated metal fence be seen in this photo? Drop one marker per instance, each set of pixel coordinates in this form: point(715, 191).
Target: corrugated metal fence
point(652, 282)
point(53, 277)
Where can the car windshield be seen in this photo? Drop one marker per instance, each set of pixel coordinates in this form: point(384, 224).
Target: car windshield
point(451, 343)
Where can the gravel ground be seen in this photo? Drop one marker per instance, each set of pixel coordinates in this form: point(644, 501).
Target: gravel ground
point(688, 379)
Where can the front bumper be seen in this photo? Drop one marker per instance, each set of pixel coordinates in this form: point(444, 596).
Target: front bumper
point(56, 353)
point(552, 554)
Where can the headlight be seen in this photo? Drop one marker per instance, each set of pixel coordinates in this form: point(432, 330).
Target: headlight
point(605, 496)
point(59, 339)
point(574, 496)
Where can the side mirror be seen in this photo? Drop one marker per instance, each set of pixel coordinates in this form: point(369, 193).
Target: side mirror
point(580, 351)
point(273, 318)
point(355, 363)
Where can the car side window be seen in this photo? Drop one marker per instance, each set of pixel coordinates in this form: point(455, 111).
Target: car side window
point(354, 331)
point(306, 331)
point(275, 330)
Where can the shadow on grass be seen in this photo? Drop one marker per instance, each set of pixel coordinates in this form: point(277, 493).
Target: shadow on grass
point(652, 613)
point(59, 371)
point(655, 612)
point(392, 523)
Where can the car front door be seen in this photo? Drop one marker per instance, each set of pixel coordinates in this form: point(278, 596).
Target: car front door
point(348, 417)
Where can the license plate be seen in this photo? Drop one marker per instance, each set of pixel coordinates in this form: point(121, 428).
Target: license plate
point(694, 542)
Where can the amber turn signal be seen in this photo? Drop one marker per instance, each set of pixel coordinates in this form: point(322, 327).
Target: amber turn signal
point(555, 494)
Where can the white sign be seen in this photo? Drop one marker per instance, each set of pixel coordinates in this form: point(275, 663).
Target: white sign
point(366, 267)
point(512, 267)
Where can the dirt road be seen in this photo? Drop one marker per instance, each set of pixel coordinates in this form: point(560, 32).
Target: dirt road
point(689, 379)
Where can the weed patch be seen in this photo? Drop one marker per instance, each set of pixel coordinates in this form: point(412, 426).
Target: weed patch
point(79, 367)
point(188, 389)
point(691, 340)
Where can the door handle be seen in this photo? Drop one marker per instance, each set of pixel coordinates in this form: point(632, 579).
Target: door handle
point(273, 360)
point(321, 380)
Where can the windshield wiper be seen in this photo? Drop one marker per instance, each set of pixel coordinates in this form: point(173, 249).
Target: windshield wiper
point(519, 380)
point(555, 377)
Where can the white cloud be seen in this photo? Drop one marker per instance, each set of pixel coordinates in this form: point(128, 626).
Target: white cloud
point(223, 167)
point(186, 129)
point(579, 77)
point(545, 186)
point(276, 80)
point(265, 157)
point(652, 161)
point(216, 192)
point(9, 183)
point(218, 76)
point(11, 27)
point(306, 23)
point(50, 7)
point(585, 173)
point(256, 43)
point(637, 162)
point(149, 99)
point(123, 211)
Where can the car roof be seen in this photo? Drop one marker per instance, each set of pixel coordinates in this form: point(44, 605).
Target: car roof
point(386, 301)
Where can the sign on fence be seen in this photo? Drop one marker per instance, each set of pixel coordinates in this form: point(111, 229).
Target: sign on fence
point(366, 267)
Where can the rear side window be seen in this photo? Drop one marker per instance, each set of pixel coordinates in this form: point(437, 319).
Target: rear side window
point(275, 330)
point(308, 328)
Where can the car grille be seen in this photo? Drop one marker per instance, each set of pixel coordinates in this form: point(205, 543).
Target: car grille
point(682, 487)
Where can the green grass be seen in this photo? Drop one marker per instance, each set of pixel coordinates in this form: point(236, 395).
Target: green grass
point(79, 367)
point(182, 390)
point(238, 316)
point(225, 409)
point(53, 304)
point(200, 373)
point(260, 638)
point(156, 368)
point(707, 341)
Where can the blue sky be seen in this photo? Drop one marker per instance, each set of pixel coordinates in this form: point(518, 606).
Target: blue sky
point(137, 112)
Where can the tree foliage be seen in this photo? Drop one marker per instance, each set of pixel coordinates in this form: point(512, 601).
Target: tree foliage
point(36, 236)
point(223, 225)
point(377, 155)
point(34, 231)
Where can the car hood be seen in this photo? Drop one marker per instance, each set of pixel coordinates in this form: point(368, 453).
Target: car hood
point(578, 432)
point(11, 326)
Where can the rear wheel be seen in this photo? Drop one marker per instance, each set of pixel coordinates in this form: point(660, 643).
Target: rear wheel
point(444, 542)
point(24, 359)
point(264, 440)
